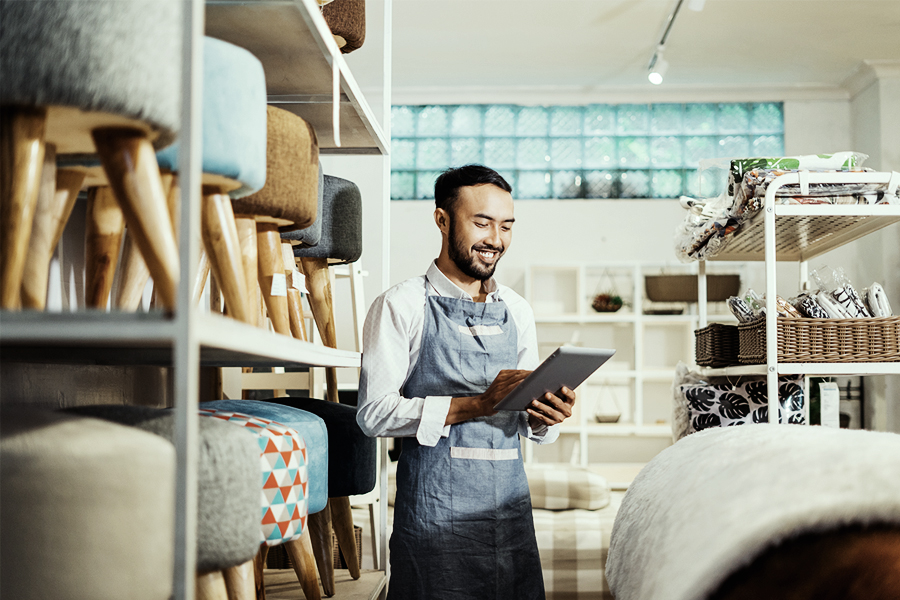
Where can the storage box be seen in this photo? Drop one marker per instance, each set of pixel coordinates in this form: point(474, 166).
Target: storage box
point(683, 288)
point(823, 340)
point(717, 345)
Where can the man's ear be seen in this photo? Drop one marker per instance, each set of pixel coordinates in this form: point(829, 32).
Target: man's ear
point(442, 220)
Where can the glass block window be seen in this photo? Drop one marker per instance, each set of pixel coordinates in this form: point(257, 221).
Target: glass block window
point(594, 151)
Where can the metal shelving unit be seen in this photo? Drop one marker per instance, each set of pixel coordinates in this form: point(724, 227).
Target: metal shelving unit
point(799, 233)
point(307, 74)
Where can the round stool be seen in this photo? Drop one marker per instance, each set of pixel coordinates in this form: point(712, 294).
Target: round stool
point(287, 202)
point(284, 468)
point(85, 508)
point(347, 21)
point(228, 535)
point(89, 77)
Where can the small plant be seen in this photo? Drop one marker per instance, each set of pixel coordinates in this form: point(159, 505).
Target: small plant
point(607, 302)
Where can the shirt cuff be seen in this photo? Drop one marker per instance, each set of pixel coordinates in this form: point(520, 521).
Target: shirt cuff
point(434, 415)
point(542, 434)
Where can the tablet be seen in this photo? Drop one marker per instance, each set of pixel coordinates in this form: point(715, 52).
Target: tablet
point(568, 366)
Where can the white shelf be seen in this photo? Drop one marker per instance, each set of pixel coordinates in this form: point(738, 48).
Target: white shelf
point(299, 54)
point(619, 430)
point(616, 318)
point(95, 337)
point(824, 369)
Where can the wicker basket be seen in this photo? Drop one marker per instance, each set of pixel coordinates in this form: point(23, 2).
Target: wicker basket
point(683, 288)
point(823, 340)
point(717, 345)
point(277, 557)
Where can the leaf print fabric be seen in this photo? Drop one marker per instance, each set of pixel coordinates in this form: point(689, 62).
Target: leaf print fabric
point(726, 405)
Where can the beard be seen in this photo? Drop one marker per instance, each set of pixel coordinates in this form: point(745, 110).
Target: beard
point(467, 260)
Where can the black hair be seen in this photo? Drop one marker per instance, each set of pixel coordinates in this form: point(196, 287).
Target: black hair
point(447, 185)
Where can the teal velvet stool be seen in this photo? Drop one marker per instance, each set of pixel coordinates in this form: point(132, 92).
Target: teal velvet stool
point(85, 77)
point(315, 434)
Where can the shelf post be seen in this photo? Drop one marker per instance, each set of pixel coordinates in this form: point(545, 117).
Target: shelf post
point(701, 293)
point(771, 312)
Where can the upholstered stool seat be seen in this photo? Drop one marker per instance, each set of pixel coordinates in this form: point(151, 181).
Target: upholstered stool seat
point(87, 77)
point(287, 202)
point(284, 462)
point(347, 21)
point(86, 509)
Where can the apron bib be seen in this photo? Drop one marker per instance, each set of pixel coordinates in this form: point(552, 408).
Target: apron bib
point(463, 526)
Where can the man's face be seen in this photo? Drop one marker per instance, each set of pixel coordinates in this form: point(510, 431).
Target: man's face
point(480, 229)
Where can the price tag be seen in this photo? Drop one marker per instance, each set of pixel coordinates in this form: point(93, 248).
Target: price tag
point(298, 282)
point(830, 398)
point(279, 284)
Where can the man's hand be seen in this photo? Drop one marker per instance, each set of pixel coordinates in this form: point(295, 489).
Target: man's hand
point(551, 409)
point(463, 409)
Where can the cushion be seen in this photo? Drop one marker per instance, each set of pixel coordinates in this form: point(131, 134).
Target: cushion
point(234, 118)
point(561, 487)
point(86, 508)
point(283, 474)
point(227, 482)
point(713, 501)
point(310, 236)
point(290, 194)
point(122, 58)
point(341, 218)
point(308, 425)
point(347, 20)
point(352, 455)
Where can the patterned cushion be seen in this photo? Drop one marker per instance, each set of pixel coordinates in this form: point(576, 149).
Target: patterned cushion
point(561, 487)
point(725, 405)
point(284, 475)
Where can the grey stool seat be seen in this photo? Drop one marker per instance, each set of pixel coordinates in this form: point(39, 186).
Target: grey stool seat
point(341, 220)
point(86, 509)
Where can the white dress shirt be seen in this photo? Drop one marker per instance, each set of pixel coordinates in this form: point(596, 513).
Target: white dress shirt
point(392, 337)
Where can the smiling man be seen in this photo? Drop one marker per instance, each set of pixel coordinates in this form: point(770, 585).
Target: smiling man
point(439, 352)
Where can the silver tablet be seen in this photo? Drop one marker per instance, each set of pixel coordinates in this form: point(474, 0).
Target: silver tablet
point(568, 366)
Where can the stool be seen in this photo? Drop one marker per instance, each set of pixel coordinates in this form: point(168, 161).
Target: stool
point(227, 495)
point(287, 202)
point(351, 471)
point(85, 508)
point(347, 21)
point(340, 243)
point(283, 460)
point(89, 78)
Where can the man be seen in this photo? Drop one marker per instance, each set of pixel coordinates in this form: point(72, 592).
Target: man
point(439, 351)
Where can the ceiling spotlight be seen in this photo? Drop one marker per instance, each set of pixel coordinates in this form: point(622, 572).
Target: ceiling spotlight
point(658, 70)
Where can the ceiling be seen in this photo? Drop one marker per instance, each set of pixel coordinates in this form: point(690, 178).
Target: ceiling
point(606, 44)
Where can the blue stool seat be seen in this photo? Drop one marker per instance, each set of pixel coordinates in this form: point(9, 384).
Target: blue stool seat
point(308, 425)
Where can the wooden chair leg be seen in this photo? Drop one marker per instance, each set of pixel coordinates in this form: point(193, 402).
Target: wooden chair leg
point(103, 239)
point(21, 162)
point(342, 521)
point(130, 164)
point(301, 554)
point(271, 268)
point(58, 192)
point(211, 586)
point(246, 229)
point(239, 581)
point(202, 276)
point(319, 525)
point(318, 282)
point(259, 570)
point(295, 300)
point(220, 238)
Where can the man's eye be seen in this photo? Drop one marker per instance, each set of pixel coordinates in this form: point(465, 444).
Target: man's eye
point(506, 228)
point(480, 224)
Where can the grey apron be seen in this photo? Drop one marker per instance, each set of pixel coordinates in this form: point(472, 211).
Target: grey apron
point(463, 527)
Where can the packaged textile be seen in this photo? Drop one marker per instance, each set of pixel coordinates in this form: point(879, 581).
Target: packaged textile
point(877, 301)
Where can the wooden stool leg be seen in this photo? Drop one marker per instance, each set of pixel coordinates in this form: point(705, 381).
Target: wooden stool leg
point(211, 586)
point(21, 162)
point(202, 276)
point(134, 274)
point(295, 301)
point(301, 554)
point(319, 525)
point(220, 238)
point(342, 521)
point(271, 267)
point(130, 164)
point(239, 581)
point(56, 198)
point(103, 239)
point(318, 282)
point(246, 230)
point(258, 572)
